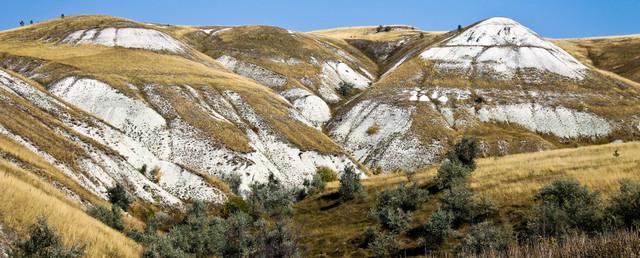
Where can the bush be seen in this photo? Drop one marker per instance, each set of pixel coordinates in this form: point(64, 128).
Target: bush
point(119, 196)
point(392, 207)
point(350, 185)
point(464, 152)
point(327, 174)
point(270, 198)
point(564, 206)
point(485, 237)
point(439, 225)
point(232, 205)
point(483, 209)
point(459, 201)
point(624, 206)
point(315, 186)
point(112, 218)
point(450, 173)
point(233, 180)
point(411, 197)
point(275, 241)
point(236, 237)
point(44, 242)
point(345, 88)
point(381, 244)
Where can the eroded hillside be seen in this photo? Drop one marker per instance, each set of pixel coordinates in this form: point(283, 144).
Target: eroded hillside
point(170, 110)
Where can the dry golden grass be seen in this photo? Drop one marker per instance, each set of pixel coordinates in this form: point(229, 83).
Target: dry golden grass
point(24, 198)
point(335, 229)
point(618, 54)
point(616, 244)
point(45, 169)
point(368, 33)
point(118, 67)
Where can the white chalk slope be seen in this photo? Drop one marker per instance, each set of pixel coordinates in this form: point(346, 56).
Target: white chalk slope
point(126, 37)
point(502, 47)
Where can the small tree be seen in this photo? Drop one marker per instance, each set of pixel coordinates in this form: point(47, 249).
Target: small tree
point(315, 186)
point(439, 225)
point(564, 206)
point(382, 244)
point(62, 16)
point(270, 198)
point(274, 241)
point(459, 201)
point(119, 196)
point(464, 152)
point(379, 28)
point(112, 218)
point(44, 242)
point(485, 237)
point(345, 88)
point(237, 239)
point(350, 185)
point(451, 173)
point(625, 205)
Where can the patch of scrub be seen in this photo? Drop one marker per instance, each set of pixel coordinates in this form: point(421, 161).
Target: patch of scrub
point(128, 38)
point(559, 121)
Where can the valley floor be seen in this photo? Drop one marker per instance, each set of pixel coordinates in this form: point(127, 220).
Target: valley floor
point(336, 229)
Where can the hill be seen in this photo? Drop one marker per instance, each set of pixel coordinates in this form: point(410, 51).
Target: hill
point(337, 229)
point(174, 113)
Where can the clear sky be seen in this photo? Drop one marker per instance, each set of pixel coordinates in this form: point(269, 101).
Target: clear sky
point(551, 18)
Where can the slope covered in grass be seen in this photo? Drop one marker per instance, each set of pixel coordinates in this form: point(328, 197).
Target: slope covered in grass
point(337, 229)
point(24, 198)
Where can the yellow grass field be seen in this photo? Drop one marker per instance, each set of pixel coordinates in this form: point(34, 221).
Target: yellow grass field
point(24, 198)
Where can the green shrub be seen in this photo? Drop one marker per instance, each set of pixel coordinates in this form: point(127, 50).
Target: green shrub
point(112, 218)
point(381, 244)
point(118, 196)
point(232, 205)
point(410, 197)
point(274, 241)
point(565, 206)
point(327, 174)
point(44, 242)
point(451, 173)
point(350, 185)
point(624, 206)
point(459, 201)
point(464, 152)
point(483, 208)
point(237, 240)
point(439, 225)
point(233, 180)
point(315, 186)
point(270, 198)
point(485, 237)
point(345, 88)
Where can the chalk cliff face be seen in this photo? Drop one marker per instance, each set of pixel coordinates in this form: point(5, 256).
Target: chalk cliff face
point(169, 110)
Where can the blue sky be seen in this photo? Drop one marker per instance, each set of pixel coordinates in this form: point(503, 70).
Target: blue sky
point(551, 18)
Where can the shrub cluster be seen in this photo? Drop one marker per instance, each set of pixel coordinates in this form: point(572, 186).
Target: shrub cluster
point(256, 227)
point(350, 185)
point(45, 242)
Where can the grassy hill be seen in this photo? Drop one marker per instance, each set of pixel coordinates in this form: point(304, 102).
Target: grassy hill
point(336, 229)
